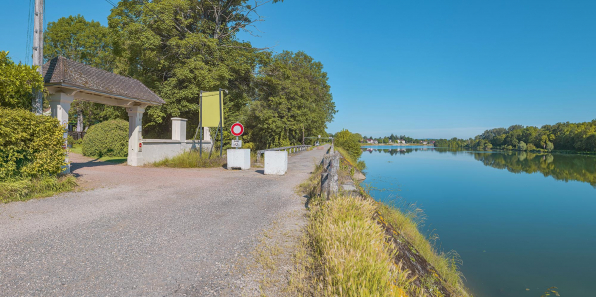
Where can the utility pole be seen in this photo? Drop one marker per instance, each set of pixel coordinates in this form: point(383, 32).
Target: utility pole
point(38, 53)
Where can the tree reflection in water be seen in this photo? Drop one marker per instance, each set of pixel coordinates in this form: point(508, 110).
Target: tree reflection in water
point(559, 166)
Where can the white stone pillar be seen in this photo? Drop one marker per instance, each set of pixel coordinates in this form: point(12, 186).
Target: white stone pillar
point(135, 135)
point(179, 129)
point(206, 134)
point(59, 106)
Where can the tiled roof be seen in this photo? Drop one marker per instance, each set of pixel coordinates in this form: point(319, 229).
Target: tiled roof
point(61, 70)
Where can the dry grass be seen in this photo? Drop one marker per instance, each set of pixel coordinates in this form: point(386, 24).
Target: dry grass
point(192, 159)
point(25, 189)
point(350, 251)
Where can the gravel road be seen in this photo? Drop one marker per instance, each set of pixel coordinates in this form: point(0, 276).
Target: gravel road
point(143, 231)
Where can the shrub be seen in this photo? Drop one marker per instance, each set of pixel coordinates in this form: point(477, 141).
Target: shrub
point(350, 142)
point(16, 83)
point(109, 139)
point(30, 145)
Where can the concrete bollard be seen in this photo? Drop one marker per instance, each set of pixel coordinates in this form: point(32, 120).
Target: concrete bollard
point(330, 176)
point(238, 159)
point(276, 162)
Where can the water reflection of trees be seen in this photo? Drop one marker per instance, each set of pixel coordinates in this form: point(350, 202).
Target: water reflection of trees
point(560, 167)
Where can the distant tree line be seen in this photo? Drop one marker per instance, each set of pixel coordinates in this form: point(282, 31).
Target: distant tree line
point(391, 137)
point(561, 136)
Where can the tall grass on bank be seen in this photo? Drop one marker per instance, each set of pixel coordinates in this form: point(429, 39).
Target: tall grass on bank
point(360, 165)
point(351, 250)
point(446, 264)
point(25, 189)
point(192, 159)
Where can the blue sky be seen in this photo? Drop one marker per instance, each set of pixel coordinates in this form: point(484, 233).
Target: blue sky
point(428, 69)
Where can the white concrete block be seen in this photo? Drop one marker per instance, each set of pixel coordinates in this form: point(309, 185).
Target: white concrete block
point(239, 158)
point(276, 162)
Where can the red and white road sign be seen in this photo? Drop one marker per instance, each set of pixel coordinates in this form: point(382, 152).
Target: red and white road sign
point(237, 129)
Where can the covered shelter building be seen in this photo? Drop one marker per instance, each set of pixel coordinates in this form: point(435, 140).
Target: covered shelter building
point(67, 80)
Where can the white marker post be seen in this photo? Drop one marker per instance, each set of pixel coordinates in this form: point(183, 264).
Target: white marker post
point(238, 158)
point(237, 129)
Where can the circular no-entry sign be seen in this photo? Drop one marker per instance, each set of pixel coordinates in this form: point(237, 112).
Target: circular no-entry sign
point(237, 129)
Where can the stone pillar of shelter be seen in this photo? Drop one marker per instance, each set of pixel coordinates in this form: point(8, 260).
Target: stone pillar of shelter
point(206, 134)
point(179, 129)
point(135, 135)
point(59, 107)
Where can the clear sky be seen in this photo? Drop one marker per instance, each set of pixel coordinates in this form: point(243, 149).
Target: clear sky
point(428, 69)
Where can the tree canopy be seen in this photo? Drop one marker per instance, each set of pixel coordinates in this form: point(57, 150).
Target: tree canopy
point(293, 99)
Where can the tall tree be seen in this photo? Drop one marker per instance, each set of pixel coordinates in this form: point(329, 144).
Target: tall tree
point(80, 40)
point(180, 47)
point(293, 95)
point(87, 42)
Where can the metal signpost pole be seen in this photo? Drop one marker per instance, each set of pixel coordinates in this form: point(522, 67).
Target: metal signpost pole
point(201, 125)
point(220, 124)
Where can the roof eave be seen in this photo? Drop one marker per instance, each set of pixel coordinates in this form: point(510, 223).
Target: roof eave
point(81, 88)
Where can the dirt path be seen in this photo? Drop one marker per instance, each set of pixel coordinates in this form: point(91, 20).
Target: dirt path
point(143, 231)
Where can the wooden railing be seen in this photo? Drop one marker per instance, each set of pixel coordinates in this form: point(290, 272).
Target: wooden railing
point(290, 149)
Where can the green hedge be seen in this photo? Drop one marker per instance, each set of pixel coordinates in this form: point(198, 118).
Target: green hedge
point(107, 139)
point(30, 145)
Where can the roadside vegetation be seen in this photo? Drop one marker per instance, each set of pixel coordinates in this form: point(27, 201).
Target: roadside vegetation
point(31, 156)
point(355, 246)
point(192, 159)
point(31, 188)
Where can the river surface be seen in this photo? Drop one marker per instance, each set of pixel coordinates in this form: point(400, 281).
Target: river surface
point(520, 222)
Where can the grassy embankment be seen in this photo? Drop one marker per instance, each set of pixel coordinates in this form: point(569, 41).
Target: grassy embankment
point(30, 188)
point(355, 246)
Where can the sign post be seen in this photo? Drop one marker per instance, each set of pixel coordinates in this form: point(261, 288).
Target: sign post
point(237, 129)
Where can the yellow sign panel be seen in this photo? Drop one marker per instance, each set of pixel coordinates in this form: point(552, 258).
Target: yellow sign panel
point(211, 109)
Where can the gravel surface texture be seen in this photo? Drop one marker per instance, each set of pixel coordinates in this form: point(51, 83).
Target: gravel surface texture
point(143, 231)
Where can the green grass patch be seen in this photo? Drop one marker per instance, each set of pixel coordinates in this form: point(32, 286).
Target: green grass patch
point(78, 149)
point(25, 189)
point(192, 159)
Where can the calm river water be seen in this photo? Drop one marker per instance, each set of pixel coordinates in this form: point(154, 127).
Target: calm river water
point(520, 222)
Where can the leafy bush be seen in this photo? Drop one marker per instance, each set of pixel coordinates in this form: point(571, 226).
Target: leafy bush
point(30, 145)
point(109, 138)
point(16, 83)
point(350, 142)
